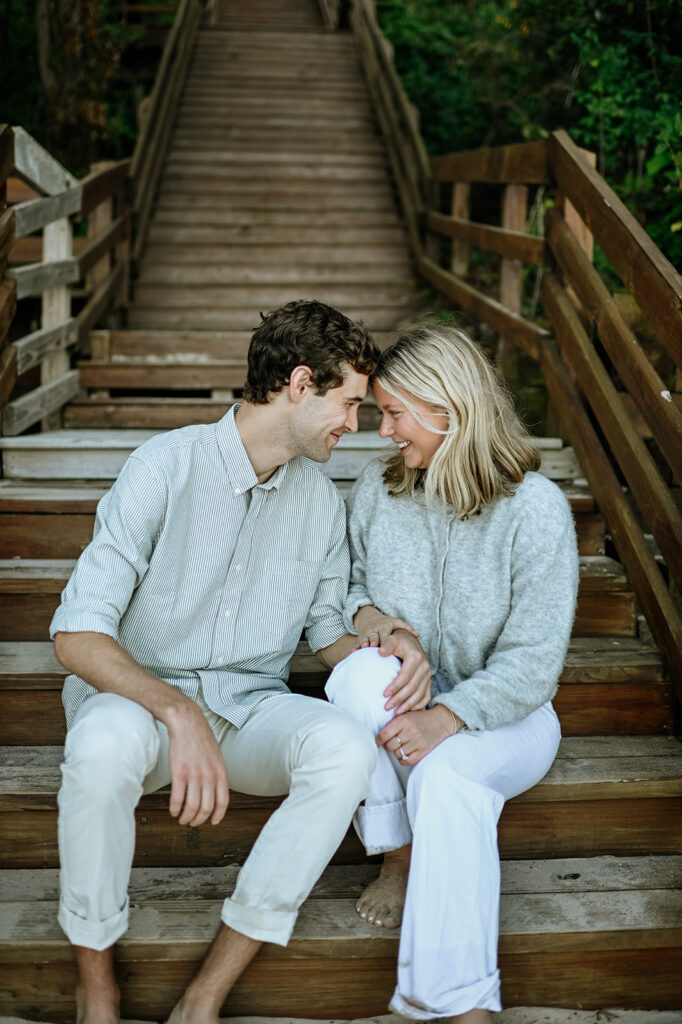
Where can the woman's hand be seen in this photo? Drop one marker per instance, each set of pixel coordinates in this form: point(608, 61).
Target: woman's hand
point(411, 736)
point(411, 688)
point(374, 627)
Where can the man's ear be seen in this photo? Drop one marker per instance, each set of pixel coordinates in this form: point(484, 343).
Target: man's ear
point(300, 381)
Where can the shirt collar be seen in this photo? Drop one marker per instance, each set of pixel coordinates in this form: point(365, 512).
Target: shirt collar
point(240, 471)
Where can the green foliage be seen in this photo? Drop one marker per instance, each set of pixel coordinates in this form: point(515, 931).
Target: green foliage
point(78, 93)
point(499, 71)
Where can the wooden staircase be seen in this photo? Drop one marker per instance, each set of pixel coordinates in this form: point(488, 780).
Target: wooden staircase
point(276, 187)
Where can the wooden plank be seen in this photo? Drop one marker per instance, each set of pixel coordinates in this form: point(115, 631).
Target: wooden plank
point(36, 278)
point(56, 307)
point(34, 214)
point(514, 209)
point(460, 203)
point(662, 616)
point(655, 284)
point(32, 348)
point(650, 492)
point(8, 373)
point(102, 244)
point(524, 163)
point(101, 184)
point(513, 244)
point(185, 375)
point(6, 152)
point(525, 334)
point(8, 306)
point(38, 167)
point(37, 404)
point(97, 305)
point(626, 353)
point(7, 235)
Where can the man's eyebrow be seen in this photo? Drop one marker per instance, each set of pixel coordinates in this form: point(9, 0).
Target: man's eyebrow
point(357, 398)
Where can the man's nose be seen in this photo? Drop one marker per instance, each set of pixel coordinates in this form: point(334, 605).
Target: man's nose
point(352, 419)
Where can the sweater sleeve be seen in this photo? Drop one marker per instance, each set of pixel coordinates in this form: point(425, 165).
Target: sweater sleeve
point(522, 670)
point(361, 501)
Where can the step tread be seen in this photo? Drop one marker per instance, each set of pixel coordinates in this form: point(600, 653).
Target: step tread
point(598, 573)
point(586, 768)
point(531, 920)
point(511, 1015)
point(589, 659)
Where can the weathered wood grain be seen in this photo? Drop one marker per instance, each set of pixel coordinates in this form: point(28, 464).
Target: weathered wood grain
point(648, 487)
point(625, 351)
point(662, 615)
point(30, 408)
point(513, 244)
point(524, 333)
point(523, 163)
point(655, 284)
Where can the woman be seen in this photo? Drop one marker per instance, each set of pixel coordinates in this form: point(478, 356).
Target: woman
point(458, 535)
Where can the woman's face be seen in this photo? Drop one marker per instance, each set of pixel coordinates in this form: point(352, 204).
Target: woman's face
point(417, 444)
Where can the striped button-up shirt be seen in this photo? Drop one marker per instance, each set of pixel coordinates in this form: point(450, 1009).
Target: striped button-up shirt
point(203, 574)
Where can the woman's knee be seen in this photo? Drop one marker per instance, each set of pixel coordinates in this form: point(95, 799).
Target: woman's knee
point(358, 683)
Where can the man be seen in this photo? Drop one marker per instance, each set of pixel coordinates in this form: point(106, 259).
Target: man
point(212, 551)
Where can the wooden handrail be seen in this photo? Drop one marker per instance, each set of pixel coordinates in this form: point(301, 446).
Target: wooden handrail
point(642, 267)
point(522, 163)
point(398, 119)
point(626, 353)
point(8, 289)
point(160, 107)
point(514, 244)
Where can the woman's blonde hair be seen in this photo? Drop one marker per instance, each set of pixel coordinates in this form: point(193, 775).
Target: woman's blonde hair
point(486, 450)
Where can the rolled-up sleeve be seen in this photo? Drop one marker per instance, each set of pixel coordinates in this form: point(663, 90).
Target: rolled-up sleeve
point(128, 522)
point(325, 624)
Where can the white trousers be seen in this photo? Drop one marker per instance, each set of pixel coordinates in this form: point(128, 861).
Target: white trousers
point(448, 807)
point(290, 744)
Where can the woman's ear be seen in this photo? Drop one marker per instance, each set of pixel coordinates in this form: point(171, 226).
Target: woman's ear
point(300, 381)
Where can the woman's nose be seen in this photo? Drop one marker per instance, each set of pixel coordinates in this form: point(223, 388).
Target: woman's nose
point(385, 428)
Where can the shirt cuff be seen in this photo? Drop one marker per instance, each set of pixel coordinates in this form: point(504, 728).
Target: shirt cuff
point(325, 633)
point(82, 620)
point(464, 709)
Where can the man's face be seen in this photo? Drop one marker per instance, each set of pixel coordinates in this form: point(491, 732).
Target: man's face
point(320, 421)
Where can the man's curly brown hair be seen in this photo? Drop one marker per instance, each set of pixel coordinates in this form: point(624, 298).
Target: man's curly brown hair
point(306, 333)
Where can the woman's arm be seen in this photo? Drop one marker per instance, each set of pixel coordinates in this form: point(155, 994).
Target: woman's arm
point(522, 670)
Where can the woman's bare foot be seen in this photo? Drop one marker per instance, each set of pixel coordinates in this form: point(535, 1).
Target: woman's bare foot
point(382, 902)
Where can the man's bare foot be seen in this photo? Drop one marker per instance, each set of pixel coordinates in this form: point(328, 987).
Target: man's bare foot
point(383, 900)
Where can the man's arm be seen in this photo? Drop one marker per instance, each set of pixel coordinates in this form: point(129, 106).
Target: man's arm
point(198, 773)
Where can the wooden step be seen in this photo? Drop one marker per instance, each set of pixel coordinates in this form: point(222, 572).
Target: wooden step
point(300, 256)
point(513, 1015)
point(143, 317)
point(307, 278)
point(608, 686)
point(618, 795)
point(37, 523)
point(229, 297)
point(617, 919)
point(149, 373)
point(210, 344)
point(30, 589)
point(100, 455)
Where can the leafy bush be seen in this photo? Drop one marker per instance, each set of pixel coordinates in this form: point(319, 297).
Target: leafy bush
point(499, 71)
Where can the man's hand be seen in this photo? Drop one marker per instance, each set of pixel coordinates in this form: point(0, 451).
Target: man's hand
point(374, 627)
point(199, 788)
point(412, 736)
point(411, 688)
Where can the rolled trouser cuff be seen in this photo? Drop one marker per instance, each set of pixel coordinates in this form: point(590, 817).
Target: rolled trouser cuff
point(383, 827)
point(263, 925)
point(97, 935)
point(481, 995)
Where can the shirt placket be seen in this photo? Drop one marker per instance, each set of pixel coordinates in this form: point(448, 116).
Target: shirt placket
point(234, 584)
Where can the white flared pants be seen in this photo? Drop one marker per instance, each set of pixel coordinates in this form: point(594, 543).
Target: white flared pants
point(447, 806)
point(290, 744)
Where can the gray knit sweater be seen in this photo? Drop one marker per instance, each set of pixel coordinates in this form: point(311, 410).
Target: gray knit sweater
point(493, 596)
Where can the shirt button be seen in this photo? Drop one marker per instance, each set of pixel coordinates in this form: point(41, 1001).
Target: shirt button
point(228, 613)
point(238, 568)
point(237, 491)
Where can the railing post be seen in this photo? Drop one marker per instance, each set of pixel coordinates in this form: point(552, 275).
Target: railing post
point(56, 306)
point(514, 211)
point(459, 260)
